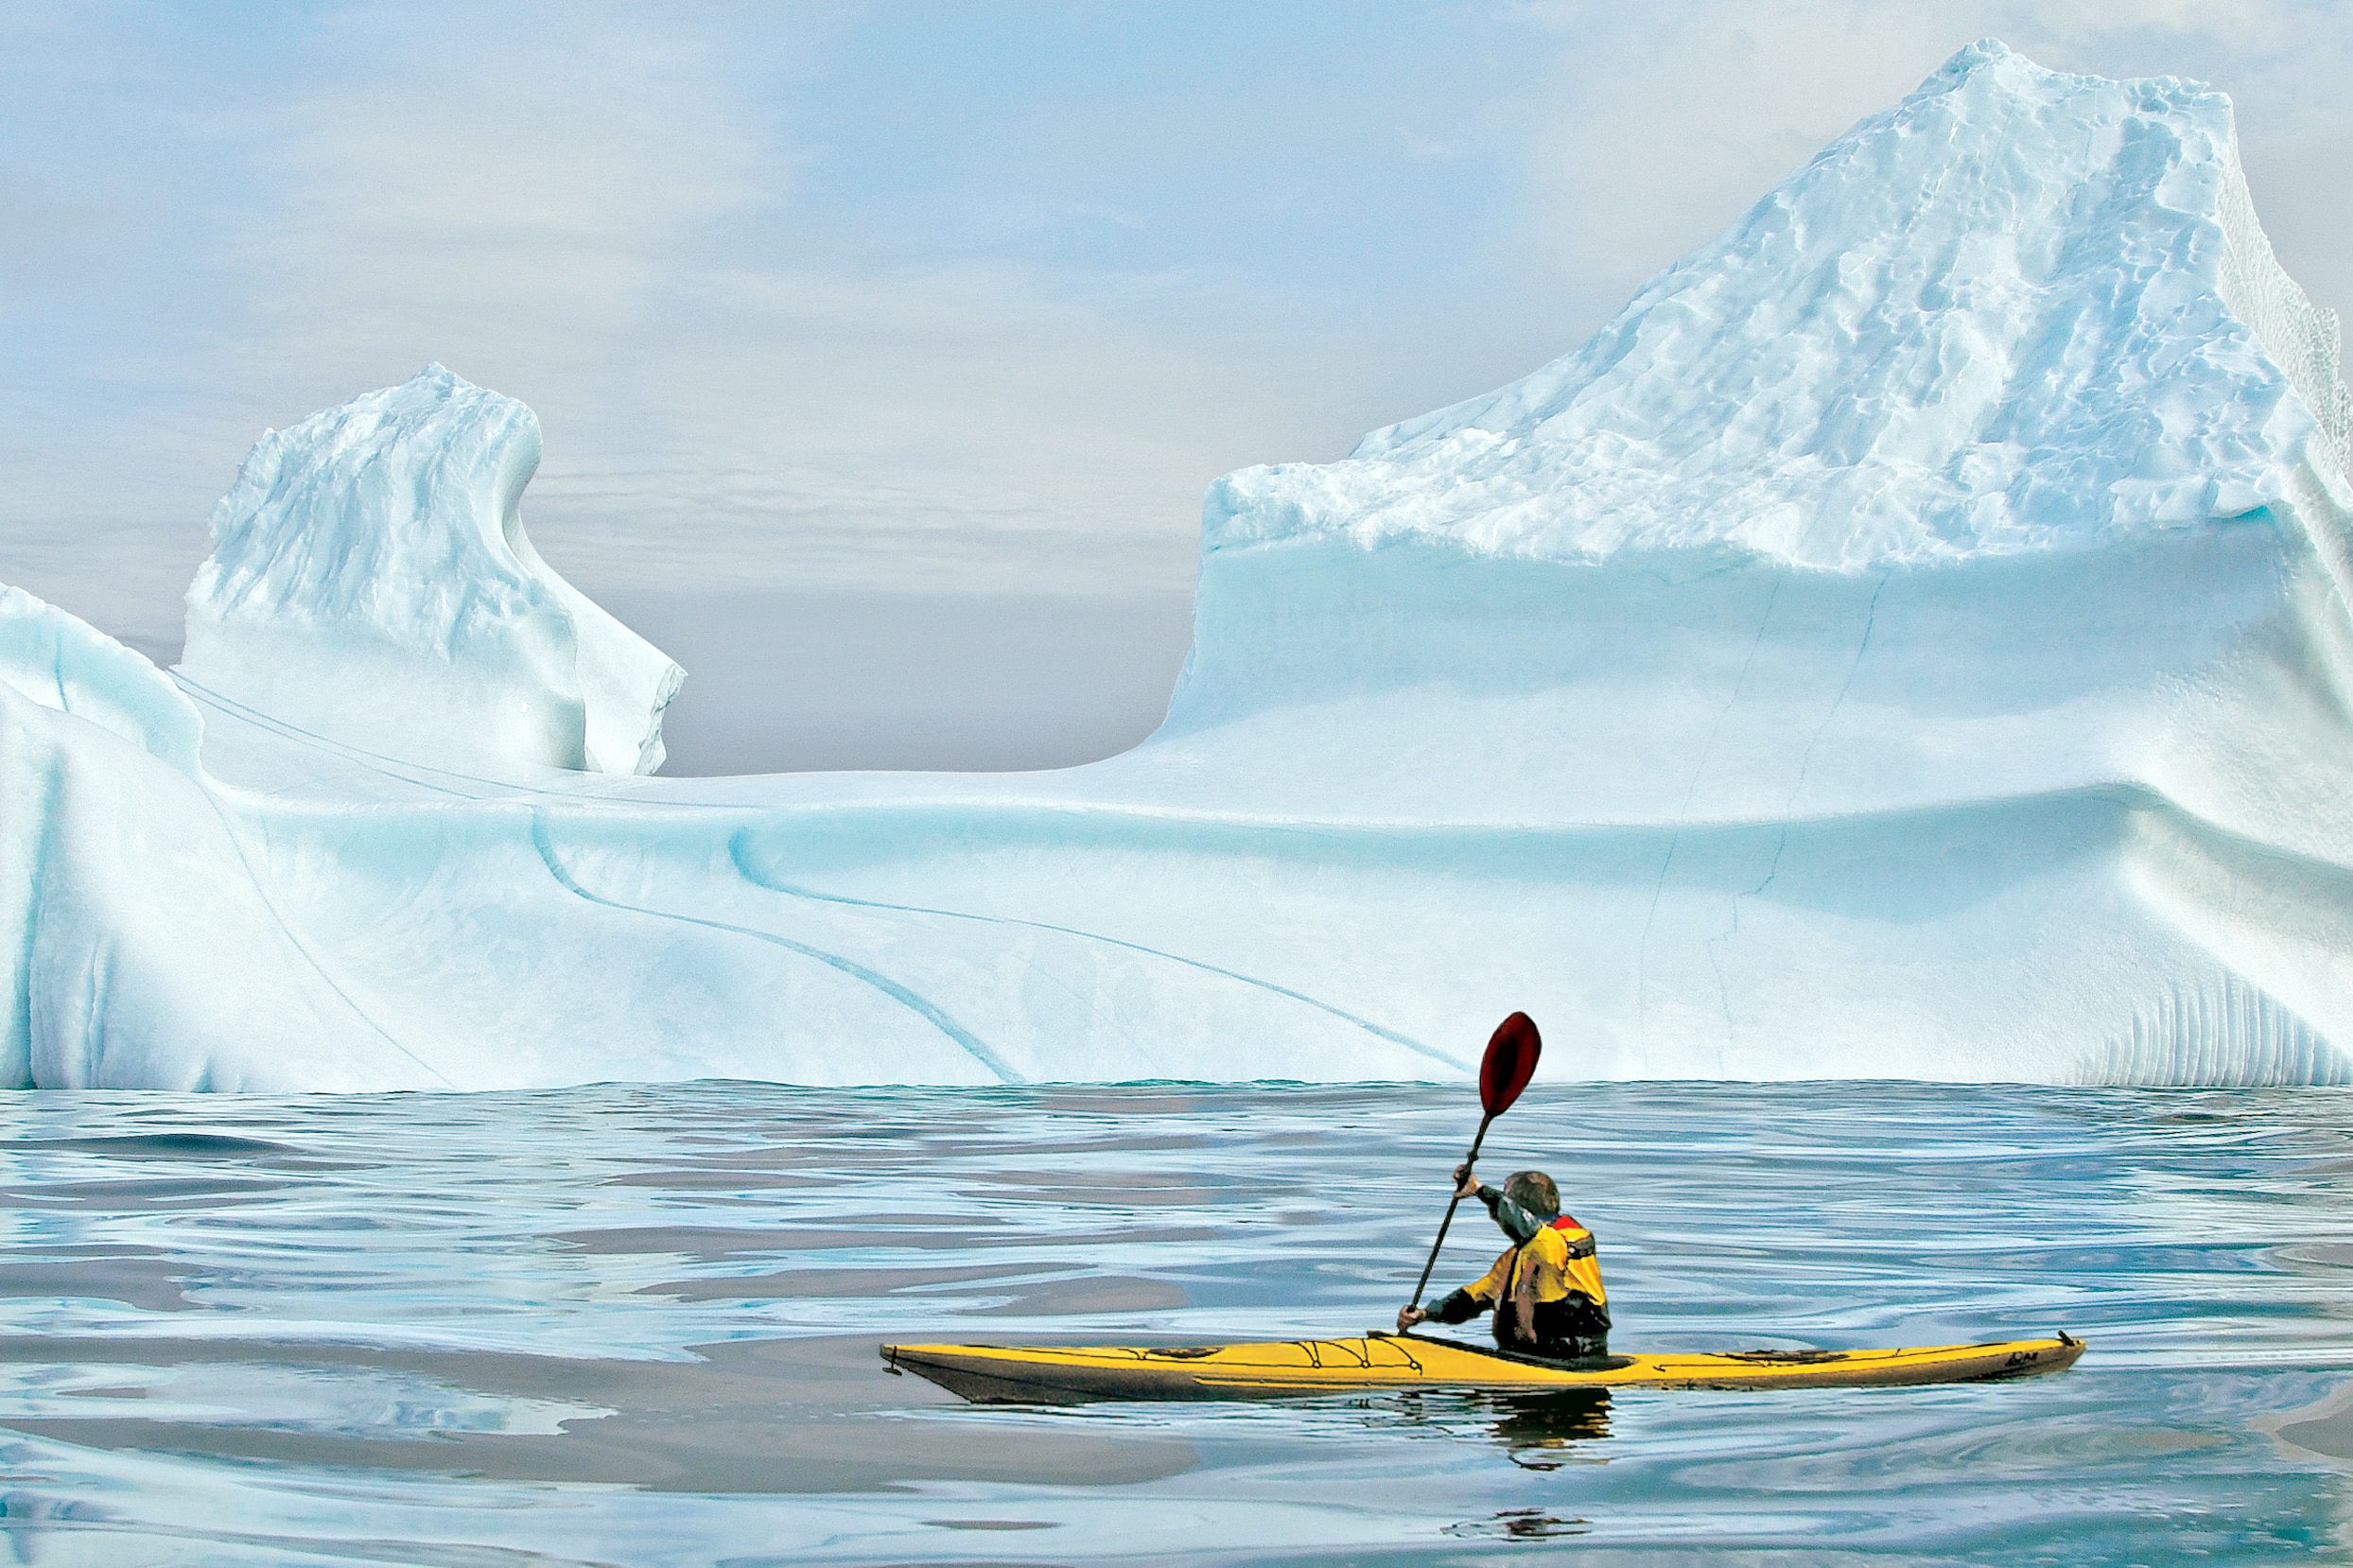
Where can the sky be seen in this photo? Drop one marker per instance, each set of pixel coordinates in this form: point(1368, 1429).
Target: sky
point(883, 352)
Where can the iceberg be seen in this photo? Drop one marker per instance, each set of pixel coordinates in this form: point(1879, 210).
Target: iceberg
point(1913, 639)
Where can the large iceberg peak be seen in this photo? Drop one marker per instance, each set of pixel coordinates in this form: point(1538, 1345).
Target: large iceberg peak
point(371, 582)
point(2020, 310)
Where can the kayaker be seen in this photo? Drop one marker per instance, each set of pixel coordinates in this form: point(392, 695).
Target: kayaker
point(1545, 1290)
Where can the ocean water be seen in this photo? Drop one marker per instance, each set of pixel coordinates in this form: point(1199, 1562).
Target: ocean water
point(638, 1326)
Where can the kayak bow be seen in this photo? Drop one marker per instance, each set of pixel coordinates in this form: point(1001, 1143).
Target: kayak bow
point(1074, 1374)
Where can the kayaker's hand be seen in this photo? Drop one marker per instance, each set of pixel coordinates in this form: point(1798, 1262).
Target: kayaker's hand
point(1466, 1182)
point(1408, 1317)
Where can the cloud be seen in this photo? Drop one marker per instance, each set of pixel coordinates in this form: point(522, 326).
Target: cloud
point(932, 428)
point(519, 185)
point(599, 218)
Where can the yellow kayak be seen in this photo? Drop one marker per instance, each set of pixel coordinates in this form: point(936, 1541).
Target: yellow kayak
point(989, 1375)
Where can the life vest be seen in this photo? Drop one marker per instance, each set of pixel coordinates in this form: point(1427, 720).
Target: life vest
point(1556, 1264)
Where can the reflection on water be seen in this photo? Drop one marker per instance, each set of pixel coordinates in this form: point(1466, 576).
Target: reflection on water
point(637, 1326)
point(1533, 1431)
point(1539, 1432)
point(1519, 1524)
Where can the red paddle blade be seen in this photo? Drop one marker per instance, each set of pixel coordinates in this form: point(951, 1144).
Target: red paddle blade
point(1510, 1062)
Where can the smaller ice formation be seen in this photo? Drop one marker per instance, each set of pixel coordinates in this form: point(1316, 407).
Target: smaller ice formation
point(371, 583)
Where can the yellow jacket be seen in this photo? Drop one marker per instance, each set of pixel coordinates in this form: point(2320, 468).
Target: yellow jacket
point(1559, 1261)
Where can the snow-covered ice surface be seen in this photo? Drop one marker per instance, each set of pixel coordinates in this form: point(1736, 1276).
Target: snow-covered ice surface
point(1911, 640)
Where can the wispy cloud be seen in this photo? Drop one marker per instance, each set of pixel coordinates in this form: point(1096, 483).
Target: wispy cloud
point(527, 185)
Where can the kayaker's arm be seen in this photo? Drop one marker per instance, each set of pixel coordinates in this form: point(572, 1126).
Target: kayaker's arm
point(1457, 1306)
point(1516, 1222)
point(1462, 1305)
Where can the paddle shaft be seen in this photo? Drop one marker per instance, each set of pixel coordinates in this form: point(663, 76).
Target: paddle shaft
point(1452, 1204)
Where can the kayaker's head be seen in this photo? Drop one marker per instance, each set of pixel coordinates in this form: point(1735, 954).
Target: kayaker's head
point(1534, 1192)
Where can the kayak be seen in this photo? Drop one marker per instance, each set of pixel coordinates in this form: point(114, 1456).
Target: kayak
point(1014, 1374)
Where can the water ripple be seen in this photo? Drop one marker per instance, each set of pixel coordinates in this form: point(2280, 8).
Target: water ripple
point(634, 1325)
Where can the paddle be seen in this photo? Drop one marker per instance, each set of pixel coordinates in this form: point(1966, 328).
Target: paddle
point(1509, 1063)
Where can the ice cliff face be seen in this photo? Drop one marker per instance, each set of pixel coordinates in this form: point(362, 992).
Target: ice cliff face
point(370, 581)
point(146, 946)
point(1912, 641)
